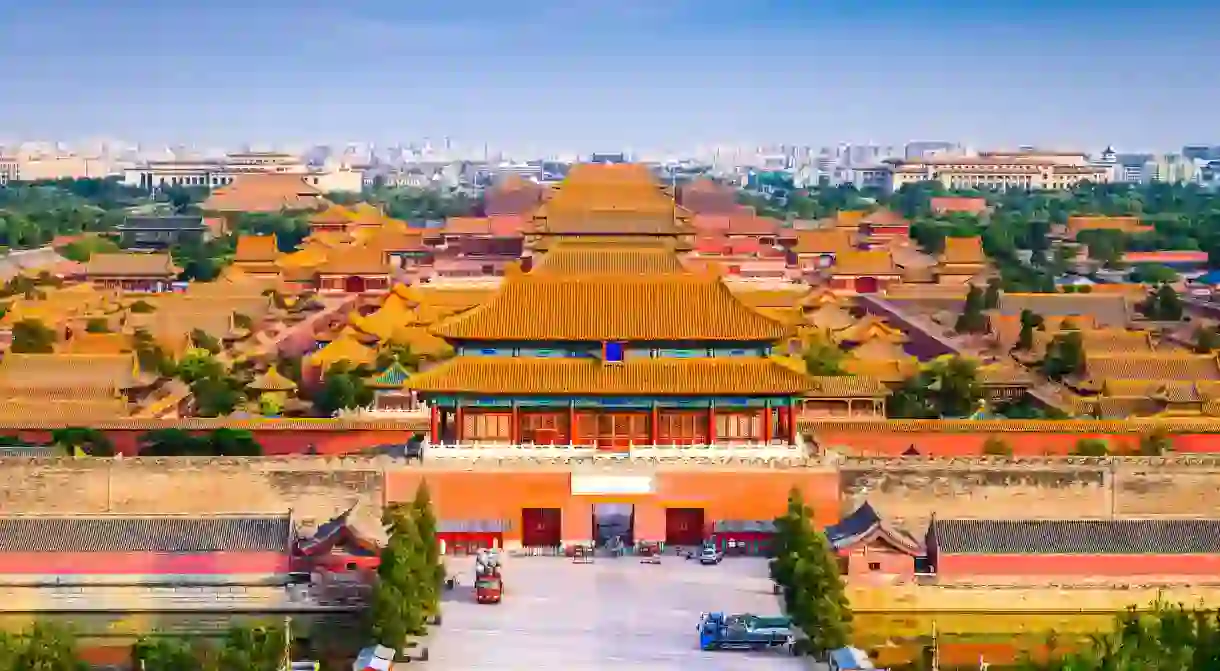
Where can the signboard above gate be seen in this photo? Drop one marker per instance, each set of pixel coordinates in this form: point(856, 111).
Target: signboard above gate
point(613, 485)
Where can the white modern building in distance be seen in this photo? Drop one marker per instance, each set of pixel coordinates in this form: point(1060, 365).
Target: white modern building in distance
point(217, 173)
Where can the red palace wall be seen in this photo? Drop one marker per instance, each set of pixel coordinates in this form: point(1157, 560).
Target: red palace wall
point(274, 441)
point(142, 563)
point(966, 566)
point(1023, 444)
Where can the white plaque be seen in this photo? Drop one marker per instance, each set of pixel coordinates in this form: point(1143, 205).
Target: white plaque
point(611, 484)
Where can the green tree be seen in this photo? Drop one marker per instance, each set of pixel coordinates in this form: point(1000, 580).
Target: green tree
point(1162, 304)
point(425, 525)
point(173, 443)
point(972, 319)
point(823, 357)
point(216, 396)
point(141, 307)
point(1091, 447)
point(807, 572)
point(343, 388)
point(997, 447)
point(1156, 443)
point(161, 653)
point(991, 297)
point(97, 325)
point(203, 340)
point(258, 648)
point(31, 336)
point(1153, 273)
point(1064, 355)
point(1207, 340)
point(1030, 322)
point(234, 443)
point(396, 611)
point(90, 441)
point(45, 647)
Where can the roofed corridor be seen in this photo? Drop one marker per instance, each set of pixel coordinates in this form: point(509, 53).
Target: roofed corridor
point(614, 612)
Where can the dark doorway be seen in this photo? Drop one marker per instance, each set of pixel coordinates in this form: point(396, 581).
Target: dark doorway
point(684, 526)
point(541, 527)
point(354, 285)
point(614, 520)
point(866, 285)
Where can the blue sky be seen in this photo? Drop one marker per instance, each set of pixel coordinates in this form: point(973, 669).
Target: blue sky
point(589, 74)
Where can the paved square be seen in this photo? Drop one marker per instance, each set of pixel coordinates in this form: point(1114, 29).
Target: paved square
point(606, 615)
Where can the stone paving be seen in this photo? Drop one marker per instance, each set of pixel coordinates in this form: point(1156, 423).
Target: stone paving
point(605, 615)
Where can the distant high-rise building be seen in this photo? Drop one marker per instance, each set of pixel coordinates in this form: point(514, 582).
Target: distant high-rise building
point(1201, 152)
point(928, 149)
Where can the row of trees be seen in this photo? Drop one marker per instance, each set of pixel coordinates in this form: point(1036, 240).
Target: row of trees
point(1163, 638)
point(47, 647)
point(161, 443)
point(806, 571)
point(411, 575)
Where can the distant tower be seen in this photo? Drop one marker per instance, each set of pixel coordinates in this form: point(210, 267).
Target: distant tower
point(1108, 156)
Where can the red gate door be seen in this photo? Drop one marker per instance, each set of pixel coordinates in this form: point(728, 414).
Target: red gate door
point(541, 527)
point(683, 526)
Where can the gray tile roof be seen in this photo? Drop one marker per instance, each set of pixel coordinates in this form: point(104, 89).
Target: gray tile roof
point(1081, 537)
point(120, 533)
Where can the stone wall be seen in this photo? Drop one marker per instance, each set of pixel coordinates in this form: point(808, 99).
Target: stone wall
point(908, 491)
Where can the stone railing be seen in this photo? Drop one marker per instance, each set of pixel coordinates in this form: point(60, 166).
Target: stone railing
point(715, 452)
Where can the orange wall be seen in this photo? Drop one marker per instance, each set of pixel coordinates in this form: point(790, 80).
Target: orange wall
point(1027, 444)
point(274, 442)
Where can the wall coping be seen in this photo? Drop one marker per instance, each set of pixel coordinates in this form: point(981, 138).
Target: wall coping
point(289, 463)
point(807, 425)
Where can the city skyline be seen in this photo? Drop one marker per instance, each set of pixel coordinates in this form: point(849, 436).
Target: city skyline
point(584, 77)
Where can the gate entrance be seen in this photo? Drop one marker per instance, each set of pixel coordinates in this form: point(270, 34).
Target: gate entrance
point(684, 526)
point(541, 527)
point(614, 521)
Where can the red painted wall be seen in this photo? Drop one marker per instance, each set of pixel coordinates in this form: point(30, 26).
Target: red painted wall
point(274, 442)
point(964, 566)
point(142, 563)
point(1031, 444)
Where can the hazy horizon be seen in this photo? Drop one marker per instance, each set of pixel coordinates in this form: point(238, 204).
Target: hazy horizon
point(587, 75)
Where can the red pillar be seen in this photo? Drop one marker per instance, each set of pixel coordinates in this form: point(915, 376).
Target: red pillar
point(516, 425)
point(571, 422)
point(766, 416)
point(711, 423)
point(653, 424)
point(792, 423)
point(457, 424)
point(436, 423)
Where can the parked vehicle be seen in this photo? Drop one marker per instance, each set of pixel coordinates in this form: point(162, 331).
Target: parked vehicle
point(710, 554)
point(745, 632)
point(649, 552)
point(488, 581)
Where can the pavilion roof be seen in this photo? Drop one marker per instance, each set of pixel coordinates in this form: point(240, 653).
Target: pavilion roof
point(577, 257)
point(356, 261)
point(771, 298)
point(333, 215)
point(889, 371)
point(329, 239)
point(265, 193)
point(831, 317)
point(1151, 366)
point(879, 348)
point(345, 348)
point(868, 328)
point(871, 262)
point(609, 307)
point(272, 380)
point(309, 256)
point(256, 248)
point(84, 342)
point(393, 376)
point(710, 376)
point(823, 241)
point(129, 264)
point(963, 251)
point(444, 300)
point(52, 375)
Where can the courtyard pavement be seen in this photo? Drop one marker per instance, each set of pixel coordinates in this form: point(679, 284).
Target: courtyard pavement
point(606, 615)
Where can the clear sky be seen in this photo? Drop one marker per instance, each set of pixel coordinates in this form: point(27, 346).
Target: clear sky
point(605, 74)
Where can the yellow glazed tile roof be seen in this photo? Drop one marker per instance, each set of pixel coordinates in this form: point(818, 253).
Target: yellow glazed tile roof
point(356, 261)
point(585, 258)
point(272, 380)
point(343, 348)
point(124, 264)
point(675, 307)
point(676, 377)
point(26, 374)
point(771, 298)
point(872, 262)
point(256, 248)
point(97, 343)
point(889, 371)
point(963, 251)
point(1152, 366)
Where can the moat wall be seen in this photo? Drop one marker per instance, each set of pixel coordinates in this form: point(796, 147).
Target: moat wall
point(908, 491)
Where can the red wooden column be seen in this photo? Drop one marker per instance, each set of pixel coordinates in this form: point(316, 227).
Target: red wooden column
point(457, 421)
point(436, 423)
point(516, 424)
point(571, 422)
point(792, 423)
point(766, 417)
point(653, 423)
point(711, 422)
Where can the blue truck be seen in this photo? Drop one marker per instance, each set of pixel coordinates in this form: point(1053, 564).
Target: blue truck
point(718, 631)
